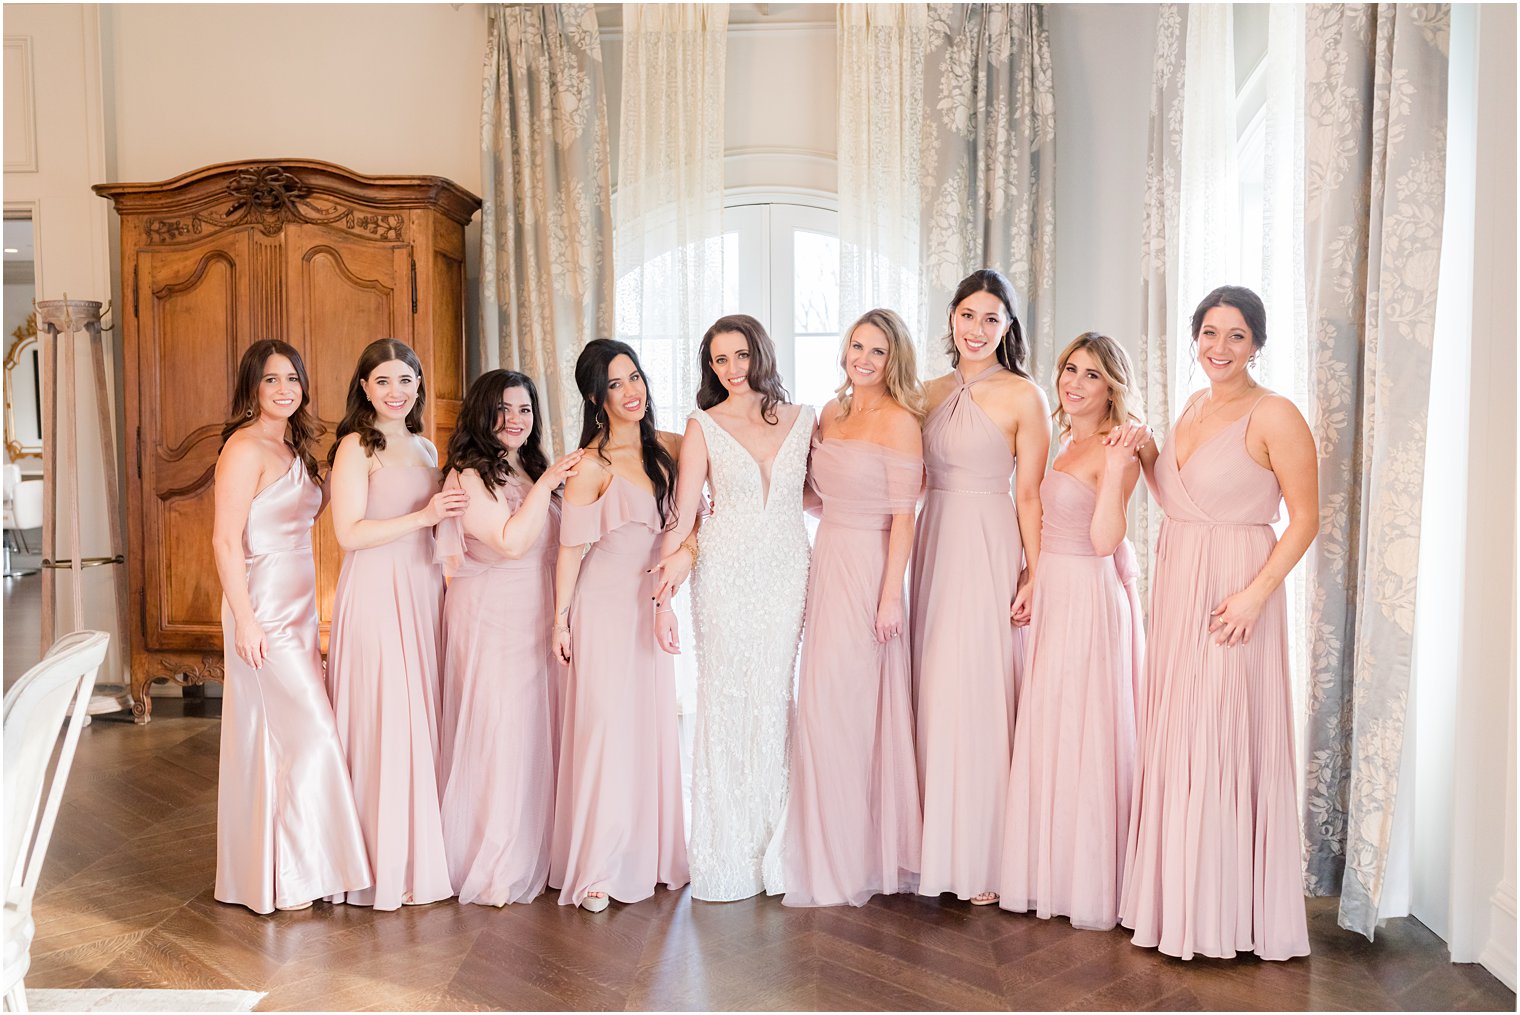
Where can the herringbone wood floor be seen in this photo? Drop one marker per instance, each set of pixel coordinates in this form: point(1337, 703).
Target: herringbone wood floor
point(126, 902)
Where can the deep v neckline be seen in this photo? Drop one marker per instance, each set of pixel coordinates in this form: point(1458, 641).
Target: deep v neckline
point(762, 470)
point(1211, 438)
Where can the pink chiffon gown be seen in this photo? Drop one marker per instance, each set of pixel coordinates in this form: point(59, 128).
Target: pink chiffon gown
point(383, 678)
point(853, 825)
point(1073, 766)
point(618, 826)
point(286, 829)
point(499, 735)
point(966, 654)
point(1214, 861)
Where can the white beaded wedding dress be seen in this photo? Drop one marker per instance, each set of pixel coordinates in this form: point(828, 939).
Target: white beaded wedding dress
point(747, 599)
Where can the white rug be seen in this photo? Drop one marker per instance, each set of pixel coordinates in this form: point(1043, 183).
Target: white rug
point(142, 1000)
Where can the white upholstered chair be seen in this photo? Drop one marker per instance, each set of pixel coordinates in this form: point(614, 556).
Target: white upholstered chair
point(51, 696)
point(23, 510)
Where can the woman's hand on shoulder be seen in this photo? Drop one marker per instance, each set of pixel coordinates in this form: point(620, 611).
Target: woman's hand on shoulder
point(590, 478)
point(562, 471)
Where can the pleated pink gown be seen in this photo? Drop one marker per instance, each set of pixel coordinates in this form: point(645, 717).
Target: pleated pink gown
point(383, 678)
point(853, 824)
point(286, 830)
point(1073, 767)
point(966, 654)
point(1214, 860)
point(618, 826)
point(499, 737)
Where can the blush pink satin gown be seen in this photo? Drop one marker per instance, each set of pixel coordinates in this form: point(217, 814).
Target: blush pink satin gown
point(853, 825)
point(500, 730)
point(286, 830)
point(966, 653)
point(1067, 822)
point(383, 678)
point(1214, 865)
point(618, 826)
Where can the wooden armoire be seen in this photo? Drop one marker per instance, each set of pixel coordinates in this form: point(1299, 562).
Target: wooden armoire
point(211, 261)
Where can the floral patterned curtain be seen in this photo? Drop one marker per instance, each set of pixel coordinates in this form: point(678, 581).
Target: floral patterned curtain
point(1375, 148)
point(1159, 255)
point(988, 166)
point(546, 271)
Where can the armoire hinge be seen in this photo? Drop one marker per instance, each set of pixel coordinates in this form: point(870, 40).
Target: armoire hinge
point(414, 285)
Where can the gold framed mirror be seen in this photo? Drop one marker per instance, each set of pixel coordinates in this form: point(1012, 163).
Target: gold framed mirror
point(23, 393)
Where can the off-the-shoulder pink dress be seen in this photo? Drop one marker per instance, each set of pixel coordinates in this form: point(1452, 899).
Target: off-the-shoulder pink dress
point(853, 826)
point(618, 826)
point(286, 830)
point(499, 737)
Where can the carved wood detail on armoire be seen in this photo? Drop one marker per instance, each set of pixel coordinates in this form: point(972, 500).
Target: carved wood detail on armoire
point(215, 259)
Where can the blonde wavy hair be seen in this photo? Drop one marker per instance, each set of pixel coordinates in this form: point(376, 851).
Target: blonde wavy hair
point(1115, 368)
point(902, 364)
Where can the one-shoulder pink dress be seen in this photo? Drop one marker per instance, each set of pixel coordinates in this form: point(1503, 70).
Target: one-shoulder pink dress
point(383, 678)
point(618, 826)
point(1073, 767)
point(1214, 865)
point(966, 652)
point(499, 737)
point(853, 824)
point(286, 830)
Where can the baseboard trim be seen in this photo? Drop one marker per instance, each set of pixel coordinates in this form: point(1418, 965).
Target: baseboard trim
point(1499, 954)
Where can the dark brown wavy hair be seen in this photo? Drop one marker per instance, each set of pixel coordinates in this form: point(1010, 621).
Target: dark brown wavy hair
point(1012, 351)
point(763, 375)
point(474, 444)
point(591, 379)
point(359, 414)
point(302, 431)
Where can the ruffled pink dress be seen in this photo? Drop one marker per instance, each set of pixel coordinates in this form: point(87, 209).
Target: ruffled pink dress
point(853, 825)
point(1067, 822)
point(499, 737)
point(1214, 865)
point(383, 678)
point(966, 653)
point(618, 826)
point(286, 829)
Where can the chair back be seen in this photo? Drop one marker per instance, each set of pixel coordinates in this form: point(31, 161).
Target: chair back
point(12, 477)
point(57, 688)
point(26, 505)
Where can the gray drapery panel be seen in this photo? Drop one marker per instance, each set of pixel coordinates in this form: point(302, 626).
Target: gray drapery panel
point(546, 224)
point(1375, 152)
point(988, 165)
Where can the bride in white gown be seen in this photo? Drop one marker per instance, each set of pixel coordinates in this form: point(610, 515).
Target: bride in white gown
point(751, 447)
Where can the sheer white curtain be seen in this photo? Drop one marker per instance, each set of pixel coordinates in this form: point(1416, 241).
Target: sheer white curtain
point(668, 245)
point(881, 100)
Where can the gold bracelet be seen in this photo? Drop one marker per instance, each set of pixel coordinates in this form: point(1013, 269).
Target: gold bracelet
point(690, 546)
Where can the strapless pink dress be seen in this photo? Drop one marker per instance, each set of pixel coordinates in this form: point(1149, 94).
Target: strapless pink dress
point(286, 829)
point(501, 691)
point(853, 826)
point(1074, 751)
point(383, 677)
point(618, 826)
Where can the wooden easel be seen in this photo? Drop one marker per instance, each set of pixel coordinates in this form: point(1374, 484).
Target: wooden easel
point(59, 323)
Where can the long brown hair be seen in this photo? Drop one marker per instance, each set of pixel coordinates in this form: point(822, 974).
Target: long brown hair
point(763, 375)
point(302, 431)
point(1012, 351)
point(474, 444)
point(359, 414)
point(591, 379)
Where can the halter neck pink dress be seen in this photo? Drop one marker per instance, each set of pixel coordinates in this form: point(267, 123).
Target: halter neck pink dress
point(286, 830)
point(1214, 864)
point(618, 826)
point(383, 677)
point(499, 736)
point(853, 825)
point(1074, 754)
point(966, 653)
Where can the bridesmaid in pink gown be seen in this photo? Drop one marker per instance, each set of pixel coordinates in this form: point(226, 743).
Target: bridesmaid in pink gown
point(286, 830)
point(984, 416)
point(499, 736)
point(1074, 751)
point(853, 824)
point(618, 827)
point(383, 658)
point(1214, 864)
